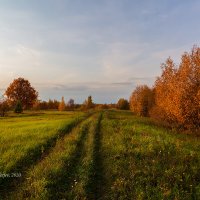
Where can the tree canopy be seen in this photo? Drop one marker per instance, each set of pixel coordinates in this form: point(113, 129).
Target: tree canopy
point(178, 90)
point(123, 104)
point(62, 105)
point(142, 100)
point(89, 103)
point(21, 90)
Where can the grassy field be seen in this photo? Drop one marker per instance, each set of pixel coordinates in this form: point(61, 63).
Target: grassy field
point(26, 137)
point(104, 155)
point(142, 161)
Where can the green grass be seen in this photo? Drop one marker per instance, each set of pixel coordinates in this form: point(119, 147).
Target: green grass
point(26, 137)
point(113, 155)
point(64, 172)
point(143, 161)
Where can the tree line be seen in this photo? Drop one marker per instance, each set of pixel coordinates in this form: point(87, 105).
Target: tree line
point(20, 95)
point(175, 96)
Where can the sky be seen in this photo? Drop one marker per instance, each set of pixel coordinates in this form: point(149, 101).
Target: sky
point(103, 48)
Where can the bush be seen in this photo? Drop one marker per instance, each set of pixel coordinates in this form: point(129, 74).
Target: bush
point(4, 107)
point(18, 107)
point(123, 104)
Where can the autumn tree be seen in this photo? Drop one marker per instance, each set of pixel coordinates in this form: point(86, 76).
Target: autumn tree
point(88, 104)
point(3, 106)
point(123, 104)
point(70, 104)
point(50, 104)
point(142, 100)
point(21, 90)
point(165, 89)
point(53, 104)
point(101, 106)
point(61, 106)
point(188, 85)
point(112, 106)
point(177, 91)
point(37, 105)
point(43, 105)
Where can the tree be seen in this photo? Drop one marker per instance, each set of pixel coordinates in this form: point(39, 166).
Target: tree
point(142, 100)
point(188, 85)
point(43, 105)
point(21, 90)
point(165, 91)
point(37, 105)
point(3, 106)
point(101, 106)
point(177, 91)
point(50, 104)
point(61, 106)
point(123, 104)
point(89, 103)
point(18, 107)
point(70, 104)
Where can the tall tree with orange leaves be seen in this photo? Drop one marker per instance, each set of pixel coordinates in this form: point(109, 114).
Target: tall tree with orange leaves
point(188, 85)
point(165, 88)
point(177, 91)
point(21, 90)
point(62, 105)
point(142, 100)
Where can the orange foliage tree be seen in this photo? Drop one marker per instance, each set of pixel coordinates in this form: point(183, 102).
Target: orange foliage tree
point(142, 100)
point(177, 91)
point(165, 88)
point(21, 90)
point(62, 105)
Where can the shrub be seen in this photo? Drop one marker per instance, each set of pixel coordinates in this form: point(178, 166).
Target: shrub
point(18, 107)
point(3, 106)
point(123, 104)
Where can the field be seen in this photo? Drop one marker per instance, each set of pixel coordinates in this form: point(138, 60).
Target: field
point(98, 155)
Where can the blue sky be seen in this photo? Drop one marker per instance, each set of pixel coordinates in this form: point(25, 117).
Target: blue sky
point(103, 48)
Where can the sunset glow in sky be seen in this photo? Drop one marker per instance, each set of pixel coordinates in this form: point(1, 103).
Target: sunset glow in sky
point(103, 48)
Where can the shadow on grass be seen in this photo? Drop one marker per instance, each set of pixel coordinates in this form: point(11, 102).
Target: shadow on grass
point(32, 157)
point(94, 187)
point(60, 183)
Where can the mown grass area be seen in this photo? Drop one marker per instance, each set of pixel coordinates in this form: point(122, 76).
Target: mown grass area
point(25, 137)
point(143, 161)
point(114, 155)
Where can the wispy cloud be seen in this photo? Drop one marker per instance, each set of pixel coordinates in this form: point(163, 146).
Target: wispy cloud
point(143, 80)
point(83, 86)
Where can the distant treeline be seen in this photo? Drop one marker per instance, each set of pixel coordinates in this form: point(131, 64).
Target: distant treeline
point(70, 105)
point(175, 97)
point(20, 95)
